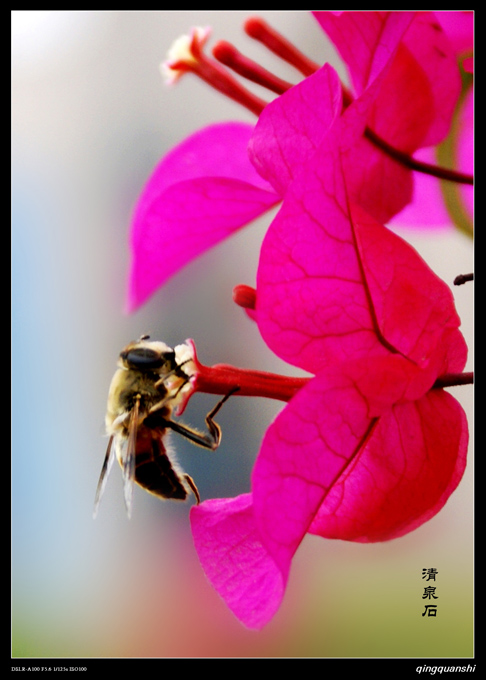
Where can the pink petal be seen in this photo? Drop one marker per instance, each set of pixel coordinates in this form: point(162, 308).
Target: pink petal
point(183, 222)
point(459, 28)
point(428, 72)
point(434, 53)
point(377, 183)
point(199, 194)
point(408, 114)
point(455, 352)
point(333, 284)
point(402, 115)
point(465, 149)
point(235, 561)
point(218, 150)
point(291, 127)
point(312, 307)
point(365, 40)
point(403, 476)
point(414, 107)
point(398, 280)
point(427, 210)
point(303, 453)
point(348, 458)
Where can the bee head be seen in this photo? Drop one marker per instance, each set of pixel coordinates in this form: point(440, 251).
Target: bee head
point(143, 355)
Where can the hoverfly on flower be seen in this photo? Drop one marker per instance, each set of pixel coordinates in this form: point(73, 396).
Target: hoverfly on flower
point(150, 382)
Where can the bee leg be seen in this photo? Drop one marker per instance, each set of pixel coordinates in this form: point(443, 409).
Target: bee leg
point(213, 427)
point(161, 405)
point(193, 486)
point(177, 370)
point(161, 382)
point(213, 438)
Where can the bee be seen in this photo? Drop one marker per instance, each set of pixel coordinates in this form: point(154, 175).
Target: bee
point(144, 391)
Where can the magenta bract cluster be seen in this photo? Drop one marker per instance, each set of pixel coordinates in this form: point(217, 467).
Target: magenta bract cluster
point(369, 449)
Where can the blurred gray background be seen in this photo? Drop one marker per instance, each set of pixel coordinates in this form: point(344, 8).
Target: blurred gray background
point(90, 119)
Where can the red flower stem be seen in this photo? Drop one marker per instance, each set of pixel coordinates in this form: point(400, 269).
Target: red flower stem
point(222, 378)
point(228, 55)
point(452, 379)
point(259, 30)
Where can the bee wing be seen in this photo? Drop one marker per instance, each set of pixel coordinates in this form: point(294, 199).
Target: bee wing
point(129, 459)
point(105, 471)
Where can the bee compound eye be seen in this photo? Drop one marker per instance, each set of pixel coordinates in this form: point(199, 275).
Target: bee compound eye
point(143, 358)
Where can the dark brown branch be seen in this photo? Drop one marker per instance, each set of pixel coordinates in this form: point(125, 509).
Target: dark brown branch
point(452, 379)
point(462, 278)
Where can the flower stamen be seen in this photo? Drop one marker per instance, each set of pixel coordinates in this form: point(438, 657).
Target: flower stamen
point(186, 55)
point(259, 30)
point(228, 55)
